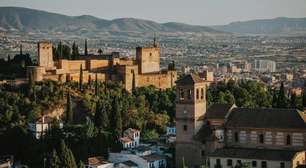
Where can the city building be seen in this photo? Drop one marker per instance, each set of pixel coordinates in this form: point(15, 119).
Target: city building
point(264, 66)
point(130, 139)
point(142, 71)
point(227, 136)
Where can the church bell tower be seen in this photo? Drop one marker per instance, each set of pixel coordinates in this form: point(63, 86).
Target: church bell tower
point(190, 111)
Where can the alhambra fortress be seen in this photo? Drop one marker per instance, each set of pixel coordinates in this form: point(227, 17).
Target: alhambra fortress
point(142, 71)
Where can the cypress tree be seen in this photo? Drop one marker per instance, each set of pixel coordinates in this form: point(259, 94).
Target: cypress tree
point(133, 83)
point(101, 118)
point(282, 99)
point(66, 156)
point(53, 161)
point(304, 95)
point(102, 144)
point(89, 81)
point(81, 78)
point(96, 85)
point(69, 114)
point(293, 103)
point(86, 50)
point(75, 51)
point(116, 125)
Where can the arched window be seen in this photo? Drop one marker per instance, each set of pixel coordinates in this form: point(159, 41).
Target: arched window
point(288, 140)
point(261, 138)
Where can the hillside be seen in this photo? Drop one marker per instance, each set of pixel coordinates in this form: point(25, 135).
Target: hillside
point(23, 19)
point(277, 26)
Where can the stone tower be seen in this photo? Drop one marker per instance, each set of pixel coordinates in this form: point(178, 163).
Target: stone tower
point(190, 111)
point(45, 55)
point(148, 58)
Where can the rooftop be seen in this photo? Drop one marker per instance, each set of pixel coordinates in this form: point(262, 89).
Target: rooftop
point(97, 161)
point(218, 111)
point(260, 154)
point(266, 118)
point(189, 79)
point(153, 157)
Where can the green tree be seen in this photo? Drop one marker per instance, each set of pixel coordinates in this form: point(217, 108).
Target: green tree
point(116, 124)
point(101, 117)
point(293, 101)
point(101, 144)
point(282, 99)
point(85, 49)
point(66, 156)
point(304, 95)
point(96, 84)
point(53, 161)
point(100, 52)
point(75, 51)
point(81, 77)
point(69, 109)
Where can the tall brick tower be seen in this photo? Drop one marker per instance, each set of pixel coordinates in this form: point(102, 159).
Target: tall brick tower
point(45, 55)
point(148, 58)
point(190, 110)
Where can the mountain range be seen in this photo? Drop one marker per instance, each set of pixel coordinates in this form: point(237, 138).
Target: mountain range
point(277, 26)
point(30, 20)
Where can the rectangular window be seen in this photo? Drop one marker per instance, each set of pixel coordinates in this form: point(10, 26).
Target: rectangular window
point(189, 94)
point(263, 164)
point(218, 161)
point(202, 93)
point(261, 138)
point(282, 165)
point(185, 127)
point(182, 96)
point(229, 162)
point(254, 164)
point(203, 153)
point(198, 94)
point(236, 137)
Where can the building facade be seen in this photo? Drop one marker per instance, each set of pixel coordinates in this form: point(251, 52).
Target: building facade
point(229, 136)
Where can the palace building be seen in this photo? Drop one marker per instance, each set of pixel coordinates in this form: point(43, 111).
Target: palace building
point(142, 71)
point(225, 136)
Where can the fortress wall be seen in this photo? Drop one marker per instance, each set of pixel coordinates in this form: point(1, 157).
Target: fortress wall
point(72, 65)
point(94, 65)
point(162, 80)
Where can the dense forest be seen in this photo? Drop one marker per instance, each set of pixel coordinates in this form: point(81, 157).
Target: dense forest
point(95, 113)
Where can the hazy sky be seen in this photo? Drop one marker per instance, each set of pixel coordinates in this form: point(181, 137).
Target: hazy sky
point(201, 12)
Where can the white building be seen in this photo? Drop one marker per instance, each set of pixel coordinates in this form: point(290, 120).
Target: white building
point(149, 161)
point(42, 125)
point(130, 139)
